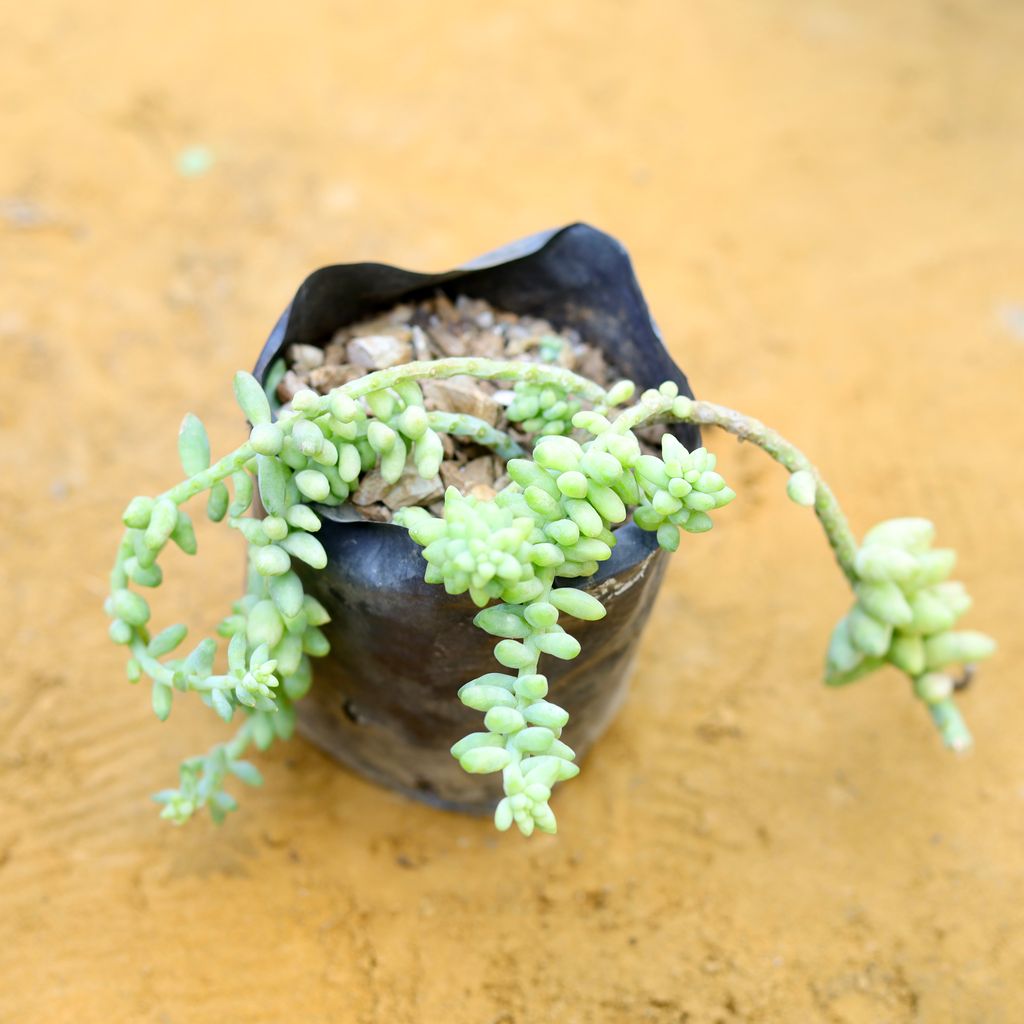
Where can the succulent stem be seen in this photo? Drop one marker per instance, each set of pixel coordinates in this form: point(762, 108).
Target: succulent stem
point(657, 407)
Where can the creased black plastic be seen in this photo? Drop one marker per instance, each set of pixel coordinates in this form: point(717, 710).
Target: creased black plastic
point(384, 700)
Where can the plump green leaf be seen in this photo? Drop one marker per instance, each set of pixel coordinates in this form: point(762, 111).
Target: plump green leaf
point(535, 739)
point(578, 604)
point(273, 480)
point(313, 484)
point(869, 635)
point(264, 625)
point(242, 482)
point(878, 563)
point(907, 653)
point(166, 640)
point(483, 698)
point(961, 647)
point(120, 632)
point(271, 560)
point(885, 600)
point(286, 592)
point(314, 642)
point(183, 534)
point(163, 696)
point(247, 772)
point(543, 713)
point(162, 522)
point(513, 654)
point(130, 607)
point(558, 645)
point(217, 503)
point(306, 548)
point(193, 445)
point(911, 534)
point(221, 705)
point(136, 515)
point(251, 397)
point(481, 760)
point(502, 620)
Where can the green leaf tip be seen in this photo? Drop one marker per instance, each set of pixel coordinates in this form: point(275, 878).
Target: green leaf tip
point(251, 398)
point(802, 488)
point(904, 616)
point(193, 445)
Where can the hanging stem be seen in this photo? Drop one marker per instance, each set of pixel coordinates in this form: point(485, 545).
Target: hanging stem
point(460, 424)
point(482, 369)
point(655, 406)
point(486, 369)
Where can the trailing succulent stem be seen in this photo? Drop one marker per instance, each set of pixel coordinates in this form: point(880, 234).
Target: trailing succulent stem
point(555, 521)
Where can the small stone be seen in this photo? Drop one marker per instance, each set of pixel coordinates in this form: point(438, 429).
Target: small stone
point(447, 342)
point(375, 513)
point(420, 343)
point(593, 367)
point(517, 339)
point(372, 488)
point(394, 322)
point(336, 350)
point(476, 310)
point(412, 489)
point(305, 357)
point(480, 471)
point(378, 351)
point(460, 395)
point(326, 378)
point(451, 476)
point(429, 329)
point(400, 314)
point(469, 476)
point(290, 384)
point(482, 492)
point(566, 355)
point(444, 308)
point(487, 345)
point(409, 489)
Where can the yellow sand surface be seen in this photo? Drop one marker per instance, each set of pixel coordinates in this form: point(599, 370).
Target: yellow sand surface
point(825, 203)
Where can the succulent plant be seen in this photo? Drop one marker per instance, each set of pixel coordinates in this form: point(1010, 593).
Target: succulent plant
point(555, 521)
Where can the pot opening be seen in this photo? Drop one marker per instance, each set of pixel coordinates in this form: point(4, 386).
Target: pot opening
point(438, 327)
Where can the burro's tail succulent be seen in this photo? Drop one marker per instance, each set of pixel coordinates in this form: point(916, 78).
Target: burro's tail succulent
point(514, 555)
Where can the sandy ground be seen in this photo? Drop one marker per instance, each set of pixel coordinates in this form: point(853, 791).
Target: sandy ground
point(824, 203)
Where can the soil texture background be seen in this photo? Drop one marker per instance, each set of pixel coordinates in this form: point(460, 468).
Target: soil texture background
point(823, 200)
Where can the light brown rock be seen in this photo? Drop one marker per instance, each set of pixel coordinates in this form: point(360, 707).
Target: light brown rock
point(325, 378)
point(446, 341)
point(290, 384)
point(412, 489)
point(375, 513)
point(305, 357)
point(378, 351)
point(420, 343)
point(482, 492)
point(469, 476)
point(409, 489)
point(460, 395)
point(480, 471)
point(372, 487)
